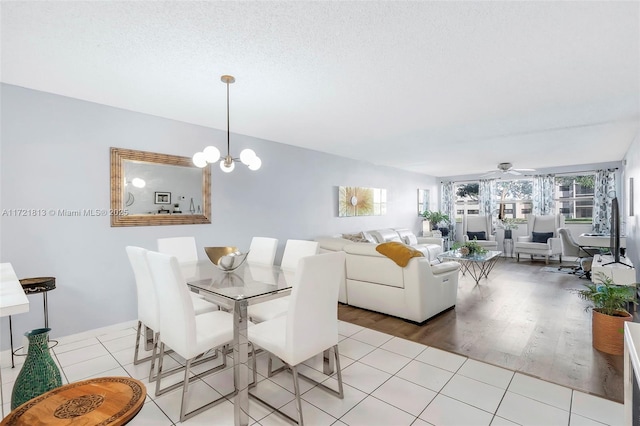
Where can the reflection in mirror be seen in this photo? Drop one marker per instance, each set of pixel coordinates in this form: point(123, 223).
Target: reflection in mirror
point(157, 189)
point(176, 189)
point(423, 201)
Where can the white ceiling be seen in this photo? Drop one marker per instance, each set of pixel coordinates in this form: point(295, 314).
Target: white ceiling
point(442, 88)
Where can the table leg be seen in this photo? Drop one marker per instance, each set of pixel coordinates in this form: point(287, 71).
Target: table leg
point(240, 366)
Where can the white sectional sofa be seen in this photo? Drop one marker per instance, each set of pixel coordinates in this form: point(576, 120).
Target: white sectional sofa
point(416, 292)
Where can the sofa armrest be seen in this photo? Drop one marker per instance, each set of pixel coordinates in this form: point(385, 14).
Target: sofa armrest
point(555, 245)
point(332, 243)
point(525, 239)
point(431, 240)
point(444, 267)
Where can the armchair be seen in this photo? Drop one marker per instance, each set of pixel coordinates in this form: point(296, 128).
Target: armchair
point(543, 239)
point(479, 228)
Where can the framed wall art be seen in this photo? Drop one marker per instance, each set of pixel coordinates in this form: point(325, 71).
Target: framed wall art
point(163, 198)
point(360, 201)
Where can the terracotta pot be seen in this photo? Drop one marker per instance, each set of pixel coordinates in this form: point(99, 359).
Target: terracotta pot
point(608, 332)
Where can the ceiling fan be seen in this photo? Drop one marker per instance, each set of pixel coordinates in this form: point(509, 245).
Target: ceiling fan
point(507, 168)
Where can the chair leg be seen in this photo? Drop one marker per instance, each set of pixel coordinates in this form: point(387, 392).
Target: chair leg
point(270, 370)
point(517, 257)
point(185, 390)
point(338, 372)
point(296, 387)
point(254, 366)
point(159, 375)
point(139, 333)
point(156, 339)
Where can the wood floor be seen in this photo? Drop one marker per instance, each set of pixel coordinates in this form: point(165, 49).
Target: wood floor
point(521, 318)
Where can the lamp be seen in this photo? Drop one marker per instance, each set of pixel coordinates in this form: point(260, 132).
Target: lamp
point(211, 154)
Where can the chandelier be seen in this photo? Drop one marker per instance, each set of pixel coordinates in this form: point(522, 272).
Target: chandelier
point(211, 154)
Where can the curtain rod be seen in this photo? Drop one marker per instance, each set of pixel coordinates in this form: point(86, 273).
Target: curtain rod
point(525, 176)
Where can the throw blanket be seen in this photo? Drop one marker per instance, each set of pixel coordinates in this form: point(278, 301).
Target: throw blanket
point(398, 252)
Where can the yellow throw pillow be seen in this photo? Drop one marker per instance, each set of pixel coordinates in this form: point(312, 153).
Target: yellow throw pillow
point(398, 252)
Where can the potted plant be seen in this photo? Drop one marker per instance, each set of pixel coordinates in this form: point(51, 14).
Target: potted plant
point(469, 248)
point(435, 217)
point(508, 224)
point(608, 307)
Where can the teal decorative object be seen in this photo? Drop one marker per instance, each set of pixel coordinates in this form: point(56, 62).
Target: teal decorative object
point(39, 373)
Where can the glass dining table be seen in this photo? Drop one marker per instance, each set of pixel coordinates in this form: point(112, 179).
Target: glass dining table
point(235, 291)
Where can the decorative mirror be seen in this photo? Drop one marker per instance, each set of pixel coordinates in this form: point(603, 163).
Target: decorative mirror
point(158, 189)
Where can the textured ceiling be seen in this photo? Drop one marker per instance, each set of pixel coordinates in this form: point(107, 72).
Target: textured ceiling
point(404, 84)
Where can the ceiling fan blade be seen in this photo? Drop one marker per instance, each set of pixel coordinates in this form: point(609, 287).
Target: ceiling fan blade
point(525, 170)
point(513, 172)
point(488, 174)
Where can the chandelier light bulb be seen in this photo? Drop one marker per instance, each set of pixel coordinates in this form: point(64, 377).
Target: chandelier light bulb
point(199, 159)
point(247, 155)
point(211, 154)
point(229, 168)
point(256, 163)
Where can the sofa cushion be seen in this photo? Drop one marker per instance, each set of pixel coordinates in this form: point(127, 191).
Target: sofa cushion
point(385, 235)
point(541, 237)
point(356, 238)
point(477, 236)
point(398, 252)
point(367, 236)
point(411, 240)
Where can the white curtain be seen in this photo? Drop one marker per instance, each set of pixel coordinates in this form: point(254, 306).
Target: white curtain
point(448, 203)
point(603, 193)
point(488, 204)
point(543, 195)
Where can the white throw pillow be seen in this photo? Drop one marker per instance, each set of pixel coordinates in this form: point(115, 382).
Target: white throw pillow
point(410, 240)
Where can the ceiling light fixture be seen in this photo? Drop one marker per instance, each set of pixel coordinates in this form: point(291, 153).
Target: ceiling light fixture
point(211, 154)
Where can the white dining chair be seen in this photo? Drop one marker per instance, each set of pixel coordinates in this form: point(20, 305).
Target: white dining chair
point(183, 248)
point(148, 311)
point(294, 250)
point(262, 250)
point(311, 324)
point(187, 334)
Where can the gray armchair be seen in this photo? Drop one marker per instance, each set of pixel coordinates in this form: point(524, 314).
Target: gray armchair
point(543, 238)
point(571, 248)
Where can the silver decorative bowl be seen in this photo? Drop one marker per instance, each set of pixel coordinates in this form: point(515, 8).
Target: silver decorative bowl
point(227, 259)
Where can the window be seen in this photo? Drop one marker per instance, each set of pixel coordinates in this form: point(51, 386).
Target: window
point(514, 198)
point(574, 197)
point(467, 199)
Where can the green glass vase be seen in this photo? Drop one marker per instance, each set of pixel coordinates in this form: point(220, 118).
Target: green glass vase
point(39, 374)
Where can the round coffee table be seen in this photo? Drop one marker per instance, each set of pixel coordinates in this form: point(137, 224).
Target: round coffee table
point(101, 401)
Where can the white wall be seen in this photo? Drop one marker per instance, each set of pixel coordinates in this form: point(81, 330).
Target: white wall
point(632, 170)
point(55, 155)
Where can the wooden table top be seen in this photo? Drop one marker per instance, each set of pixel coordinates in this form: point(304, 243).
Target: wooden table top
point(100, 401)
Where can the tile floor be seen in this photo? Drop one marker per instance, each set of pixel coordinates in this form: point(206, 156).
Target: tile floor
point(387, 381)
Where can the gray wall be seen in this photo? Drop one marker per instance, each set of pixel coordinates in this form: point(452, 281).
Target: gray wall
point(55, 155)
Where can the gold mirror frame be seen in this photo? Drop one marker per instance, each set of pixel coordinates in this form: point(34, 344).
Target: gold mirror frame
point(119, 156)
